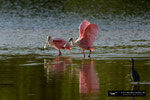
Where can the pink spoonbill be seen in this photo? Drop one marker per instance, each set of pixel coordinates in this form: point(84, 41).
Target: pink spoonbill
point(87, 35)
point(57, 43)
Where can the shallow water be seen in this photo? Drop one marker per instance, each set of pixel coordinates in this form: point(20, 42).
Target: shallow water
point(26, 77)
point(23, 35)
point(28, 71)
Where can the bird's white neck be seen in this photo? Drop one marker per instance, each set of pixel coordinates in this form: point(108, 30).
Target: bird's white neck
point(74, 44)
point(50, 42)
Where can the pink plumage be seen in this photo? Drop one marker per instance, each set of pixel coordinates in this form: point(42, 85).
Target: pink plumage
point(83, 26)
point(88, 34)
point(59, 43)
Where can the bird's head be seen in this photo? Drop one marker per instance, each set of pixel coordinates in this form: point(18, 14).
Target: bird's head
point(47, 41)
point(48, 38)
point(132, 62)
point(70, 39)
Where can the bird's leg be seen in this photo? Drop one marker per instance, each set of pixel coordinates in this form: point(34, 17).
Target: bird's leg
point(59, 52)
point(90, 54)
point(83, 52)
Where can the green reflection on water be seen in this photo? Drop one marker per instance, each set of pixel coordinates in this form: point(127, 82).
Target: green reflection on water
point(93, 7)
point(27, 77)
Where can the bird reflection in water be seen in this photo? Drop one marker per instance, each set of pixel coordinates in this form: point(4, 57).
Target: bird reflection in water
point(135, 87)
point(56, 66)
point(134, 73)
point(135, 78)
point(88, 80)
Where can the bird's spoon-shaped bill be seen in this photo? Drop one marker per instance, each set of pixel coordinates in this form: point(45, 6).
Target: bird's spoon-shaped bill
point(45, 46)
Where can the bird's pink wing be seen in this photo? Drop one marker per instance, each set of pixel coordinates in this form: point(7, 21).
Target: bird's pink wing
point(90, 35)
point(83, 26)
point(59, 44)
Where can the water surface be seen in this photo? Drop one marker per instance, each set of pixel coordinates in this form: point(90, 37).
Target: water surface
point(64, 78)
point(28, 71)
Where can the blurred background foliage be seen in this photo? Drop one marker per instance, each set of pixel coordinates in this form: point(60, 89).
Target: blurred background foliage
point(83, 7)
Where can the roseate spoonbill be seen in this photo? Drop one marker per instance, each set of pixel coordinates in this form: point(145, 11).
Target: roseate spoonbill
point(57, 43)
point(88, 33)
point(135, 75)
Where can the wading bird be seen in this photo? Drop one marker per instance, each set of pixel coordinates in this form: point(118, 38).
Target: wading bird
point(134, 73)
point(57, 43)
point(88, 33)
point(135, 78)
